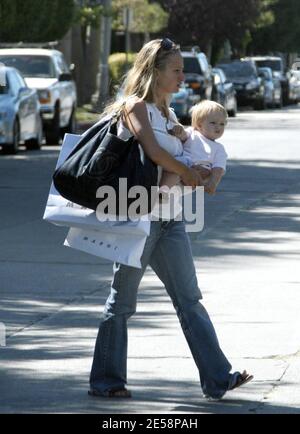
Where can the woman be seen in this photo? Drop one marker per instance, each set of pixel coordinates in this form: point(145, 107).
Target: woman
point(157, 73)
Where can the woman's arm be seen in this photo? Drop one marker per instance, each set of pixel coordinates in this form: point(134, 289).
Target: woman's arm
point(136, 120)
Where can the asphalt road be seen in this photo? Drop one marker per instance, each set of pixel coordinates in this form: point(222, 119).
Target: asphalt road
point(247, 261)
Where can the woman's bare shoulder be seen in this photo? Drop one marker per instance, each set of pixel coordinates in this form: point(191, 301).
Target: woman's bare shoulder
point(134, 103)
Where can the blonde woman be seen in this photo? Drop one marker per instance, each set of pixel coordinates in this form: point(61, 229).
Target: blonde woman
point(157, 73)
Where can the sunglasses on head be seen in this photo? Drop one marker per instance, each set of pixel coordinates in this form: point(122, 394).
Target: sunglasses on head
point(167, 45)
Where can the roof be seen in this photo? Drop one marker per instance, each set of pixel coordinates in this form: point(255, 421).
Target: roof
point(28, 51)
point(264, 58)
point(188, 54)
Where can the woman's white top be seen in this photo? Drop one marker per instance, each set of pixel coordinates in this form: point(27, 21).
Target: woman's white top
point(160, 125)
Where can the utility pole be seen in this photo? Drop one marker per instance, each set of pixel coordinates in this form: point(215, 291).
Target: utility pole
point(127, 19)
point(102, 93)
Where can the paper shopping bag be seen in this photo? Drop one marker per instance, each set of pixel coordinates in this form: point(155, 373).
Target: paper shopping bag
point(121, 241)
point(124, 248)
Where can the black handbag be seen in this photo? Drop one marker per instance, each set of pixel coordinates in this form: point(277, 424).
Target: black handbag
point(101, 159)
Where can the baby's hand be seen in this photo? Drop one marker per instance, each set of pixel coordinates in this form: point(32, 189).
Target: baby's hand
point(210, 187)
point(179, 132)
point(205, 173)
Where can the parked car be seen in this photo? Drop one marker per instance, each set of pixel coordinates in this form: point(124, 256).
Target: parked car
point(198, 75)
point(182, 101)
point(248, 85)
point(20, 117)
point(277, 65)
point(273, 91)
point(47, 71)
point(224, 92)
point(294, 82)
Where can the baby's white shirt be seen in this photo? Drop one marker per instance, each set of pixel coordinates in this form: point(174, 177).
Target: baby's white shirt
point(198, 149)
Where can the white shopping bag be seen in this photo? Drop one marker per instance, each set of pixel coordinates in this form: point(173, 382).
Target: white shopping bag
point(89, 234)
point(124, 248)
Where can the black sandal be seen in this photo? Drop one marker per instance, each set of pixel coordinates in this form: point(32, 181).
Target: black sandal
point(239, 379)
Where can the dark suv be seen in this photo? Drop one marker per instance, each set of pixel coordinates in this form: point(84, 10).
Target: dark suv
point(248, 85)
point(198, 74)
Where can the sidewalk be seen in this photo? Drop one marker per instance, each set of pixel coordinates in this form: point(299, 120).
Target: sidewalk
point(247, 262)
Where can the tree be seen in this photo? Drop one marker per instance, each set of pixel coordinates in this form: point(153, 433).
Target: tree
point(209, 23)
point(282, 33)
point(35, 20)
point(147, 18)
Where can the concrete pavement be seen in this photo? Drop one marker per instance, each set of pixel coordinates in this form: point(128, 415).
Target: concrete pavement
point(247, 265)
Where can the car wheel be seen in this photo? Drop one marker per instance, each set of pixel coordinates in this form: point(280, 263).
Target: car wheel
point(285, 98)
point(72, 123)
point(52, 133)
point(35, 144)
point(259, 105)
point(233, 111)
point(279, 103)
point(13, 148)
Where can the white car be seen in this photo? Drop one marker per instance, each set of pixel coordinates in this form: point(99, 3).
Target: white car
point(47, 72)
point(294, 79)
point(20, 117)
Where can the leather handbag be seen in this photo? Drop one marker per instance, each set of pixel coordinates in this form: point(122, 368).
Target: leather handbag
point(101, 159)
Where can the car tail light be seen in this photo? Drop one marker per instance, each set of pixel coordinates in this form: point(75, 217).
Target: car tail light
point(195, 85)
point(44, 96)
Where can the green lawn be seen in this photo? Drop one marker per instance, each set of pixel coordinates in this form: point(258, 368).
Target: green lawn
point(85, 114)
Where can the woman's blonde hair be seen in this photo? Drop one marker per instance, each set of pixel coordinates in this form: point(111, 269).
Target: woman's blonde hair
point(203, 109)
point(140, 81)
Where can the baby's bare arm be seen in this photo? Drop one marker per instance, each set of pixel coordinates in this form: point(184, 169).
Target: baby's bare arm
point(214, 179)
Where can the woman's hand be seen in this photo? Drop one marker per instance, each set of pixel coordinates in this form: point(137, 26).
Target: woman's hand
point(191, 177)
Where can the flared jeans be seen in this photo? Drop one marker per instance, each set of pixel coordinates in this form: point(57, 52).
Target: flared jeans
point(168, 252)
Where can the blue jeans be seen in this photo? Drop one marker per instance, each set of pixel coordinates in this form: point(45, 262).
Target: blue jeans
point(168, 252)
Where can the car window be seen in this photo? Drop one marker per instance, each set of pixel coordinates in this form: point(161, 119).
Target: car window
point(222, 76)
point(191, 65)
point(15, 83)
point(204, 65)
point(4, 87)
point(31, 66)
point(61, 65)
point(268, 74)
point(20, 79)
point(276, 65)
point(241, 69)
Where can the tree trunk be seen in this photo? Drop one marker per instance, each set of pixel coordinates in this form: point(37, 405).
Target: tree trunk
point(93, 59)
point(78, 60)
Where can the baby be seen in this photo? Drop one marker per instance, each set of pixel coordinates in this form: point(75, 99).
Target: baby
point(200, 149)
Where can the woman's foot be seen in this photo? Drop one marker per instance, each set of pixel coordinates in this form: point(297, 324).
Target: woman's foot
point(117, 393)
point(238, 379)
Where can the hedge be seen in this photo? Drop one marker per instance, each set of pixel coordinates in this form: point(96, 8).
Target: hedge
point(118, 67)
